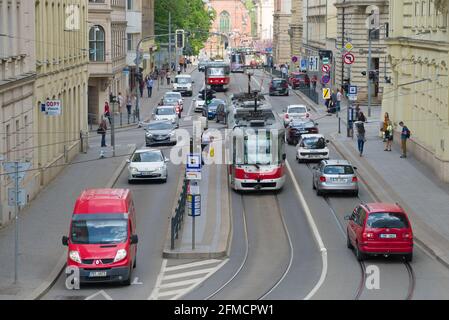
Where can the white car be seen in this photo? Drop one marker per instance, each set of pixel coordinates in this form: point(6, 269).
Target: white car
point(199, 104)
point(147, 164)
point(173, 96)
point(183, 84)
point(312, 147)
point(295, 112)
point(167, 113)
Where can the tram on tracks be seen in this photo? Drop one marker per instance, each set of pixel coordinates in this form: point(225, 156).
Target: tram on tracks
point(218, 75)
point(237, 62)
point(256, 146)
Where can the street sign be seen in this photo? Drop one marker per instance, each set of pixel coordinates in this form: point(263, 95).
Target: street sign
point(349, 58)
point(303, 64)
point(21, 201)
point(349, 46)
point(326, 60)
point(294, 59)
point(352, 94)
point(194, 162)
point(10, 168)
point(326, 93)
point(313, 63)
point(326, 68)
point(325, 79)
point(193, 175)
point(194, 205)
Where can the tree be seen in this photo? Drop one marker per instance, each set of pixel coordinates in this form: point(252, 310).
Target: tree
point(190, 15)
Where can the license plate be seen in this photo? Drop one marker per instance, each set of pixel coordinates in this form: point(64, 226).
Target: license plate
point(339, 180)
point(98, 274)
point(388, 236)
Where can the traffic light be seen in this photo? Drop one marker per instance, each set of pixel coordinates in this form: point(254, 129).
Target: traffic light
point(180, 39)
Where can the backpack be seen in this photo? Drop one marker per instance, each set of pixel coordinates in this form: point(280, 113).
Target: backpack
point(408, 133)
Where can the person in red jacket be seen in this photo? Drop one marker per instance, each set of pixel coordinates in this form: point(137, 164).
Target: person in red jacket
point(107, 111)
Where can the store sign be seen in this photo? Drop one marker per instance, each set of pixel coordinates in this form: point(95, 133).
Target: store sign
point(53, 107)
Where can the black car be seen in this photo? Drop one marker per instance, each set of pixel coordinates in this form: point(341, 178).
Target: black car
point(160, 132)
point(297, 128)
point(279, 87)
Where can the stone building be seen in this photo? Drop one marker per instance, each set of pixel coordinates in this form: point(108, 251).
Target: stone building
point(296, 28)
point(418, 51)
point(281, 25)
point(107, 53)
point(17, 77)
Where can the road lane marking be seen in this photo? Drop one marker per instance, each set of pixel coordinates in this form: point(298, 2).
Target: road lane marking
point(101, 293)
point(155, 292)
point(191, 265)
point(188, 274)
point(178, 284)
point(315, 232)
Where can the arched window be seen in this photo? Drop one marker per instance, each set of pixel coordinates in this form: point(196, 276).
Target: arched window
point(225, 22)
point(96, 44)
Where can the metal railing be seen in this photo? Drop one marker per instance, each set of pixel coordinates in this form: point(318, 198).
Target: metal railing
point(178, 218)
point(311, 94)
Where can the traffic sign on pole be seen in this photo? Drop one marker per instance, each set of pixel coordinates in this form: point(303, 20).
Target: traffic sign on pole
point(326, 93)
point(326, 79)
point(326, 68)
point(349, 46)
point(326, 60)
point(349, 58)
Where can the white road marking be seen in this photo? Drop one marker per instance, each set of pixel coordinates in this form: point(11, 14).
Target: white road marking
point(136, 282)
point(191, 265)
point(178, 284)
point(100, 293)
point(315, 232)
point(191, 107)
point(188, 274)
point(155, 292)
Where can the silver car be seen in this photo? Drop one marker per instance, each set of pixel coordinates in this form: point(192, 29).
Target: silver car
point(167, 113)
point(335, 176)
point(147, 164)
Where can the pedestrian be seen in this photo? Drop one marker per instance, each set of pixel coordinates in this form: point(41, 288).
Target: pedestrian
point(121, 102)
point(150, 83)
point(339, 97)
point(284, 71)
point(388, 136)
point(179, 69)
point(107, 112)
point(102, 129)
point(327, 104)
point(405, 135)
point(361, 117)
point(357, 111)
point(361, 139)
point(141, 87)
point(168, 75)
point(385, 125)
point(314, 81)
point(162, 76)
point(129, 105)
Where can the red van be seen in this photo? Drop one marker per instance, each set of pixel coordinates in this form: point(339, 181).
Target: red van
point(103, 241)
point(380, 229)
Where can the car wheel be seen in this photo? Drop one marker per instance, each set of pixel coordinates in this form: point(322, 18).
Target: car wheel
point(408, 257)
point(130, 181)
point(127, 282)
point(358, 254)
point(313, 183)
point(319, 193)
point(348, 242)
point(355, 194)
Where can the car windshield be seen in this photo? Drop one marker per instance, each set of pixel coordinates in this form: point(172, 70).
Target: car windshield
point(389, 220)
point(171, 102)
point(147, 157)
point(165, 111)
point(183, 80)
point(215, 103)
point(172, 96)
point(99, 231)
point(258, 149)
point(314, 143)
point(340, 169)
point(297, 110)
point(300, 76)
point(160, 126)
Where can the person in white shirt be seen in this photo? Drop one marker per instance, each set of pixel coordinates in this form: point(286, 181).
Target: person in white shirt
point(339, 96)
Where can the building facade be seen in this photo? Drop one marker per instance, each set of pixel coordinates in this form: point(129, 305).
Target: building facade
point(281, 24)
point(296, 29)
point(17, 77)
point(107, 54)
point(418, 50)
point(264, 13)
point(352, 27)
point(232, 19)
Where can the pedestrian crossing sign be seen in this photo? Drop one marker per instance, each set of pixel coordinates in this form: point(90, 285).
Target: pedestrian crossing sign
point(326, 93)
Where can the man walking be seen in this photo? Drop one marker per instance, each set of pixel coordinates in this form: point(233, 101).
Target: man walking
point(339, 96)
point(361, 139)
point(102, 130)
point(405, 135)
point(150, 83)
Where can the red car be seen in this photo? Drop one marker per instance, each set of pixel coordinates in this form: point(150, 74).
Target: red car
point(380, 229)
point(299, 80)
point(102, 242)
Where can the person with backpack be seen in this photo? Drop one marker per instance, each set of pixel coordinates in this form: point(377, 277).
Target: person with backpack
point(388, 136)
point(405, 135)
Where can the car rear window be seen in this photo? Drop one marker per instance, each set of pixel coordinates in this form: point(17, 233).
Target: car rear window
point(300, 76)
point(339, 170)
point(390, 220)
point(297, 110)
point(278, 82)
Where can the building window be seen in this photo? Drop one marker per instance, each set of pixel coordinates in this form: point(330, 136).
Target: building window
point(225, 22)
point(96, 44)
point(129, 41)
point(130, 5)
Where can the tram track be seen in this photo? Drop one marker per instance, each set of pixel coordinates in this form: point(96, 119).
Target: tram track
point(247, 264)
point(362, 285)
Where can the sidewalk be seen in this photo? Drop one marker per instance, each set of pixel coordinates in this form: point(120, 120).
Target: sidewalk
point(405, 181)
point(213, 227)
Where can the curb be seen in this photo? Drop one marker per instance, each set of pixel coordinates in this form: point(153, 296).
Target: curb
point(225, 233)
point(444, 260)
point(59, 268)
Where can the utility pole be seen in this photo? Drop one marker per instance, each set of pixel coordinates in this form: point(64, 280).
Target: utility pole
point(369, 72)
point(169, 41)
point(112, 100)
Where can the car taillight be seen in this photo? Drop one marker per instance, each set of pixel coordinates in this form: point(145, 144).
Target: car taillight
point(323, 179)
point(368, 235)
point(408, 235)
point(314, 130)
point(354, 179)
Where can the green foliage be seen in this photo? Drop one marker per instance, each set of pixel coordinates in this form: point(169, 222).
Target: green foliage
point(190, 15)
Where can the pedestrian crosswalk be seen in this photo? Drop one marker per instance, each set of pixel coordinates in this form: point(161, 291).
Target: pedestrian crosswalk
point(175, 281)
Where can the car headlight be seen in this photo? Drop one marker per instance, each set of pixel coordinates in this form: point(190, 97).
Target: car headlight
point(121, 254)
point(149, 135)
point(75, 256)
point(172, 134)
point(133, 170)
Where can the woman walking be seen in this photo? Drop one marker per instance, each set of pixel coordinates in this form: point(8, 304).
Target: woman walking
point(107, 112)
point(102, 130)
point(388, 136)
point(361, 139)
